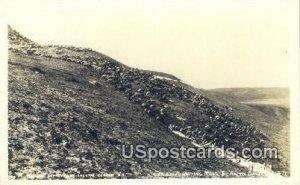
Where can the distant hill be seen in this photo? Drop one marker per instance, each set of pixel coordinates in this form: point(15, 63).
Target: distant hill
point(250, 94)
point(71, 109)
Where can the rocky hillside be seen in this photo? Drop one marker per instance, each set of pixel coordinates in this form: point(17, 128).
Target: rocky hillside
point(70, 110)
point(267, 108)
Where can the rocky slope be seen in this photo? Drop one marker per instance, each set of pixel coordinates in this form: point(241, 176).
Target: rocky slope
point(267, 108)
point(70, 109)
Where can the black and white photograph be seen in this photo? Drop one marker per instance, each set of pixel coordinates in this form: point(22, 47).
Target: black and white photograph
point(150, 90)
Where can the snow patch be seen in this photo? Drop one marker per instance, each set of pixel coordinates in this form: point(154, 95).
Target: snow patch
point(164, 78)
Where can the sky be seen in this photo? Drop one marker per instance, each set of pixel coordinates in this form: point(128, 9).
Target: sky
point(208, 44)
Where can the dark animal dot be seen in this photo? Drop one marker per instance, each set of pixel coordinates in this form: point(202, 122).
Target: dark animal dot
point(44, 120)
point(93, 133)
point(18, 146)
point(26, 105)
point(57, 139)
point(112, 141)
point(72, 79)
point(89, 155)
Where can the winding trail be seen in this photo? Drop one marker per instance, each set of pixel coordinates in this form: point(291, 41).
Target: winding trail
point(252, 166)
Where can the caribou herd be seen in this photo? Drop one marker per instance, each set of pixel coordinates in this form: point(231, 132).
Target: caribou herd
point(156, 96)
